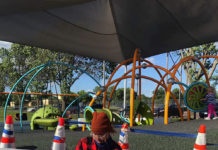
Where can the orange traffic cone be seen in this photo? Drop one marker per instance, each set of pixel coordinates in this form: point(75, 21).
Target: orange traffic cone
point(8, 139)
point(59, 137)
point(123, 139)
point(200, 143)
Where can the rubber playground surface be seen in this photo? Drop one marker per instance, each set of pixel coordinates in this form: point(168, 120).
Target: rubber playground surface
point(174, 136)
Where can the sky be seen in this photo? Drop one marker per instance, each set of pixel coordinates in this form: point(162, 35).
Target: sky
point(147, 86)
point(5, 44)
point(88, 84)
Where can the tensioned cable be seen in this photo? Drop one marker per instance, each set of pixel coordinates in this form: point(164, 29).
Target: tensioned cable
point(68, 22)
point(118, 34)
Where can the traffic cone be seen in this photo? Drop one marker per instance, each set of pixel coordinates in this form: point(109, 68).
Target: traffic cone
point(59, 137)
point(8, 139)
point(200, 143)
point(123, 138)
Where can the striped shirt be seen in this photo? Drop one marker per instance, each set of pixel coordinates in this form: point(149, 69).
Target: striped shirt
point(211, 98)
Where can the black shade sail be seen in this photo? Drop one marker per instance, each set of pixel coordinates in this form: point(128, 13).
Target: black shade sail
point(109, 29)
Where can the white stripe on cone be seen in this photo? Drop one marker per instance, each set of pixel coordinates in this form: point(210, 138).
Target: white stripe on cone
point(201, 139)
point(200, 143)
point(59, 137)
point(123, 138)
point(8, 139)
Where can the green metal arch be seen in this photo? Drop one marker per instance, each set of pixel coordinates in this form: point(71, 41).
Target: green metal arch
point(40, 68)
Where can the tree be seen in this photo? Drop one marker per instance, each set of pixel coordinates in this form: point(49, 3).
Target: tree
point(15, 63)
point(21, 58)
point(177, 93)
point(3, 77)
point(66, 78)
point(85, 97)
point(146, 99)
point(160, 94)
point(192, 70)
point(118, 95)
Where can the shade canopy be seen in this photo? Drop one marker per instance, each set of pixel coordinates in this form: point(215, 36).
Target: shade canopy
point(109, 29)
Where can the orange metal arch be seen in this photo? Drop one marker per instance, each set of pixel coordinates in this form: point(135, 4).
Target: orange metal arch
point(171, 72)
point(149, 78)
point(36, 93)
point(138, 67)
point(175, 69)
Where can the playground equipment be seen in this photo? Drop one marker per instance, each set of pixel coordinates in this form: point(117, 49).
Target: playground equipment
point(140, 108)
point(140, 113)
point(46, 117)
point(146, 115)
point(33, 73)
point(192, 105)
point(137, 64)
point(193, 95)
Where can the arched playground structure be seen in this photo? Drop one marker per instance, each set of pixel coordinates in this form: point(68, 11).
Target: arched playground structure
point(138, 109)
point(193, 92)
point(50, 110)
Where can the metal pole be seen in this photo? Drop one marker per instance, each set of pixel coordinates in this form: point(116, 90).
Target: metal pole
point(124, 90)
point(103, 84)
point(180, 88)
point(167, 61)
point(103, 73)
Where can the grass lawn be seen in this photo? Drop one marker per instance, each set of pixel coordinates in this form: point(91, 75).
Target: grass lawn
point(13, 112)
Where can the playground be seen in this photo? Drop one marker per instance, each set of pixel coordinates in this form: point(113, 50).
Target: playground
point(127, 33)
point(144, 127)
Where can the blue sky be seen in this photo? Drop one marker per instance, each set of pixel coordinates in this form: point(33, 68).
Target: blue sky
point(87, 84)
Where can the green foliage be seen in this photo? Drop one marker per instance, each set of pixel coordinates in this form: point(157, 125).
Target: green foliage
point(96, 89)
point(160, 94)
point(118, 95)
point(85, 97)
point(19, 59)
point(13, 112)
point(194, 71)
point(177, 93)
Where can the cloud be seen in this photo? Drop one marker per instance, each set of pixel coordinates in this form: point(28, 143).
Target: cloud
point(151, 59)
point(5, 44)
point(216, 44)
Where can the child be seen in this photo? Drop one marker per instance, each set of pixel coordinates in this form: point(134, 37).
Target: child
point(101, 138)
point(211, 101)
